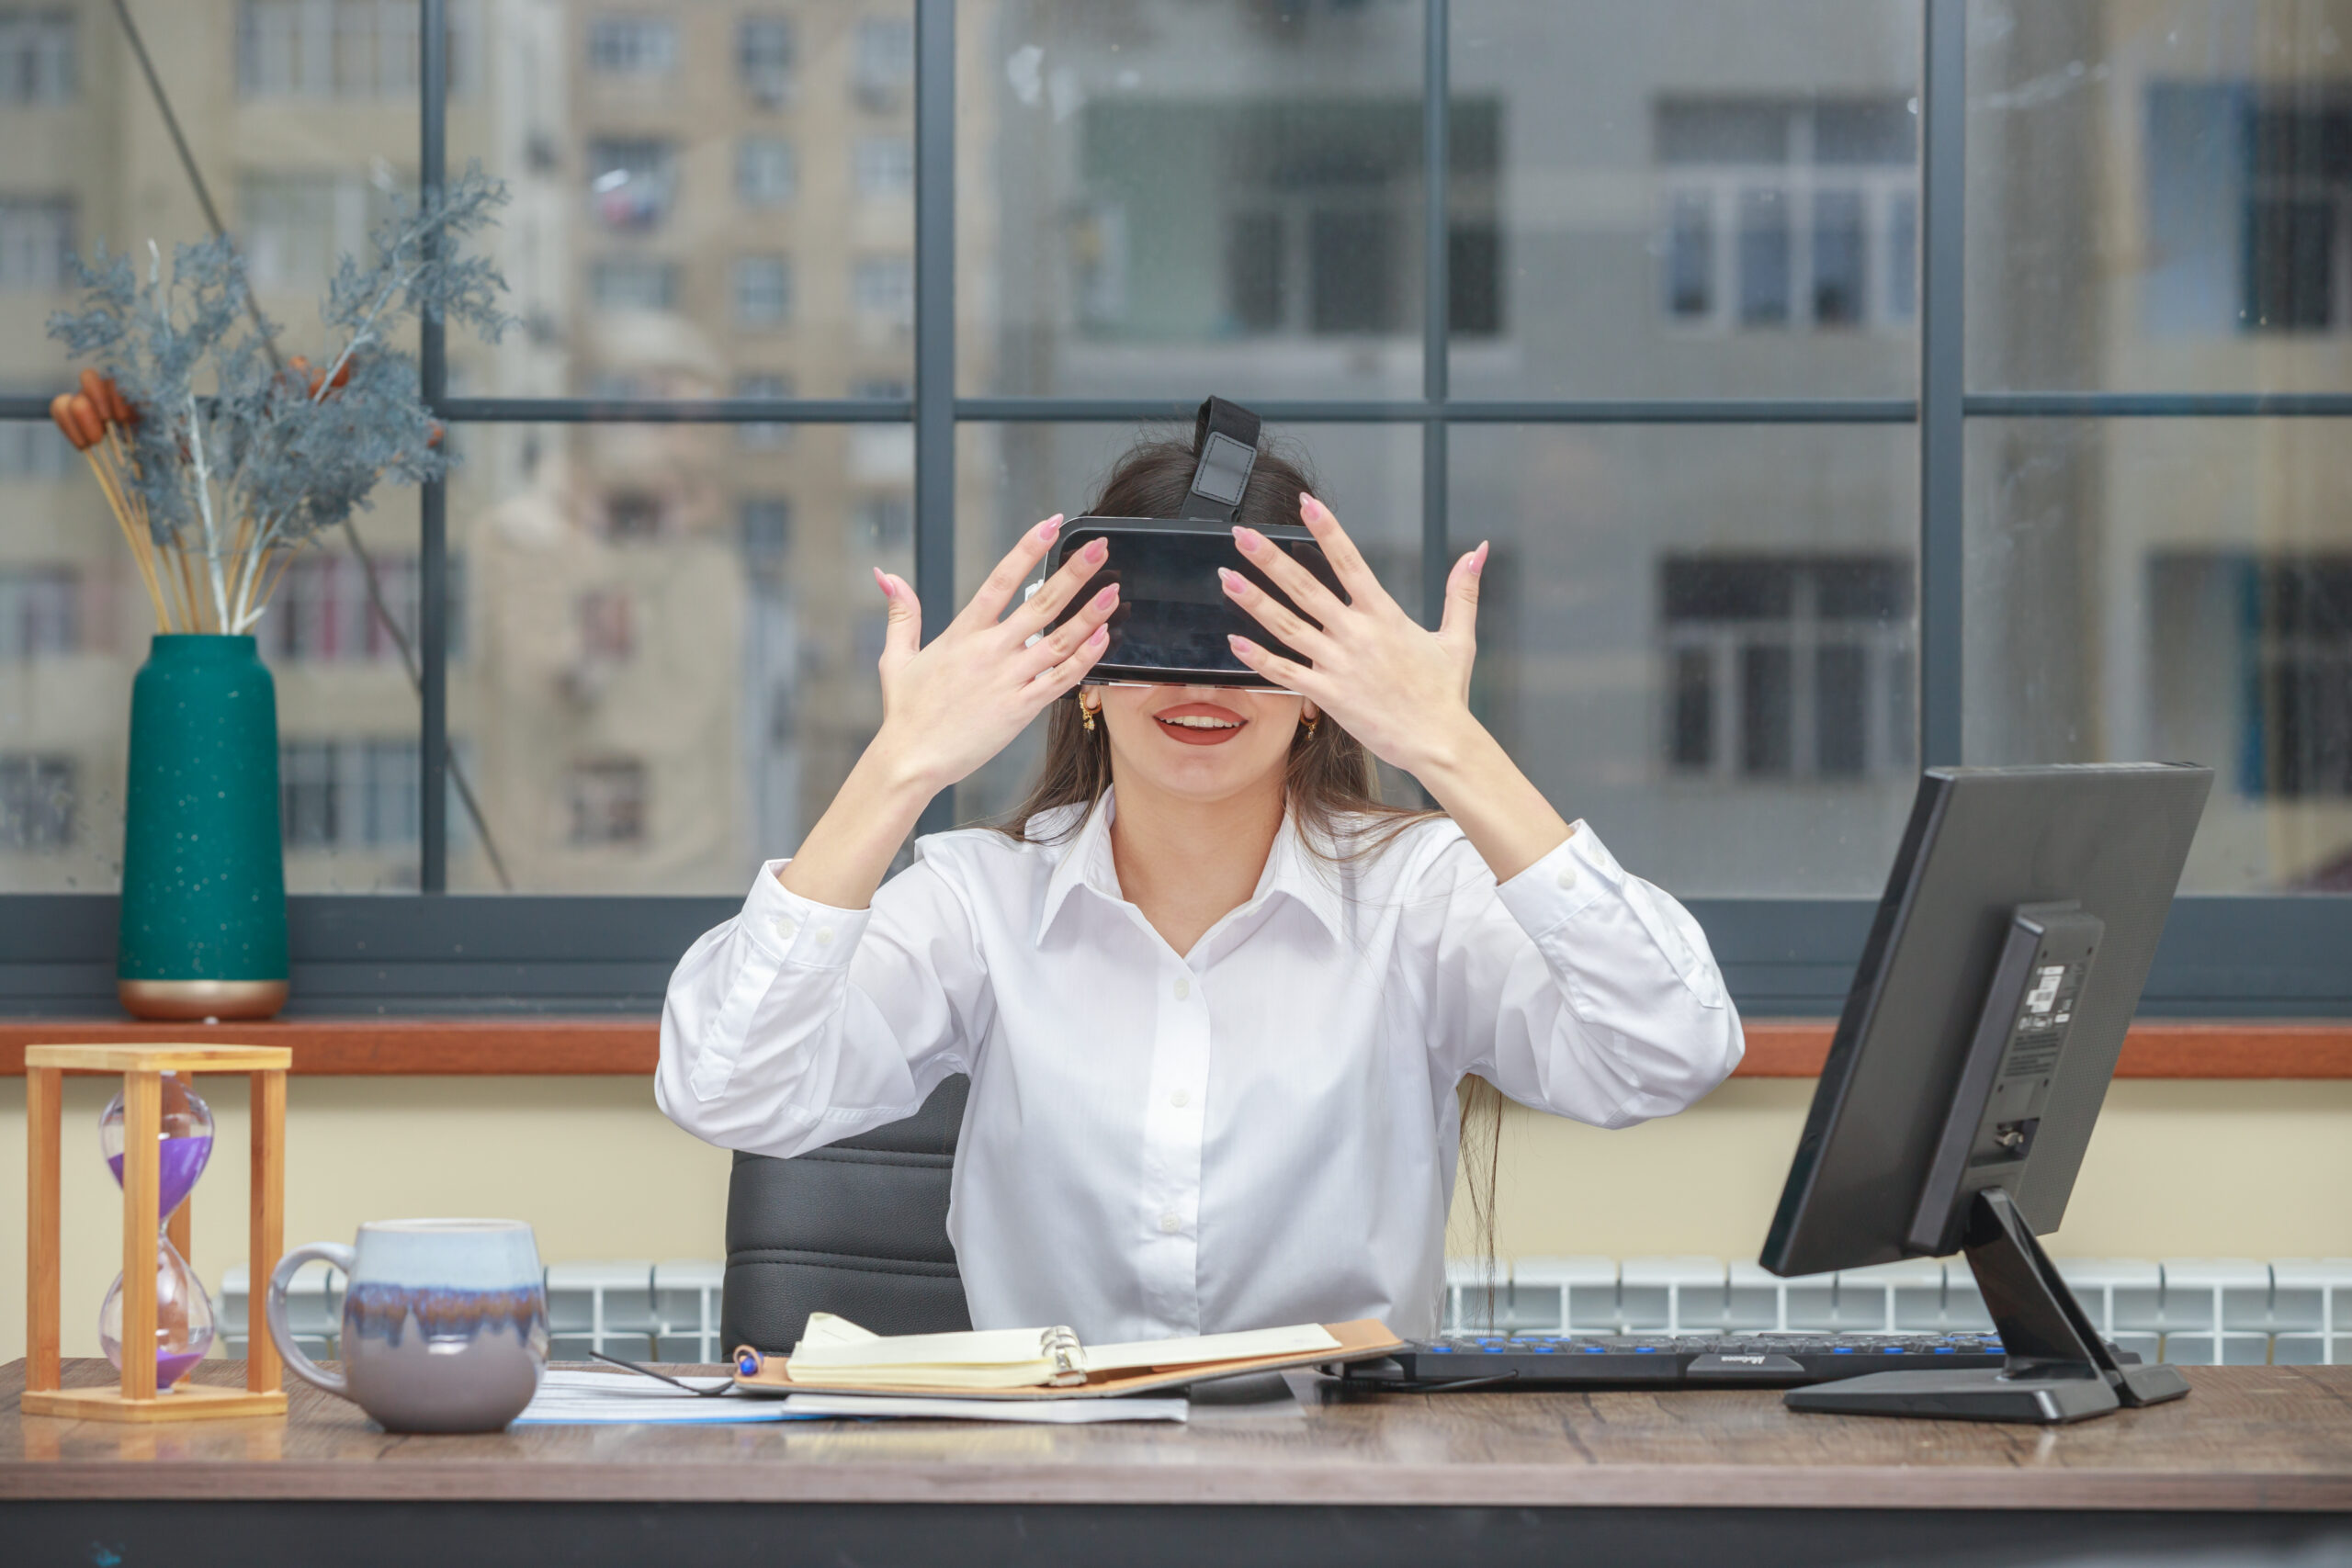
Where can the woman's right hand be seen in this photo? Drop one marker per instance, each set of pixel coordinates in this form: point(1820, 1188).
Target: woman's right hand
point(949, 707)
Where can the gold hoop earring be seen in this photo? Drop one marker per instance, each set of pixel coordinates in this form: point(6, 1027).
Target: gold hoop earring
point(1309, 723)
point(1086, 715)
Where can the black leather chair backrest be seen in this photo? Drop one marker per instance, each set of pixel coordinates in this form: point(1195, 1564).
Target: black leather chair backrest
point(858, 1228)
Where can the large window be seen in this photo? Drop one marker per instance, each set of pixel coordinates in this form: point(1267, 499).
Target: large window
point(36, 54)
point(1800, 468)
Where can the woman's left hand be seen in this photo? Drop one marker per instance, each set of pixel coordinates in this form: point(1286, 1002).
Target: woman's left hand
point(1402, 691)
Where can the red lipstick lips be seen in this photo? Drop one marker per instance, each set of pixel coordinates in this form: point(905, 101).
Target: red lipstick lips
point(1199, 724)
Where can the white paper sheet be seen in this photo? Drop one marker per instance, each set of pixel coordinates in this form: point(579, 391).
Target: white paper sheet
point(567, 1397)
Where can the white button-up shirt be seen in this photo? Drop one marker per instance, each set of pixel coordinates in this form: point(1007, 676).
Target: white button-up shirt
point(1261, 1131)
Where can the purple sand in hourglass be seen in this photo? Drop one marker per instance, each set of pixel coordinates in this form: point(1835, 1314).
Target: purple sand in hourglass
point(182, 1160)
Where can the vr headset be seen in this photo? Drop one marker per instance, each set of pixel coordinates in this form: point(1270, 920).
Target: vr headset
point(1173, 615)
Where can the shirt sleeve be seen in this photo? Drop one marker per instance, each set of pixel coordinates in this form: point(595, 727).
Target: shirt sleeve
point(1573, 987)
point(795, 1025)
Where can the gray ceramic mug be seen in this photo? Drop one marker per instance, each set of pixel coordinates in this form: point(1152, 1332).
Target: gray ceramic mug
point(444, 1323)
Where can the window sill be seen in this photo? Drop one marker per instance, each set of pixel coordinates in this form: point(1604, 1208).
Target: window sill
point(1777, 1048)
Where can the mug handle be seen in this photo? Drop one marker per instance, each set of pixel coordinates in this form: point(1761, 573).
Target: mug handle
point(274, 1307)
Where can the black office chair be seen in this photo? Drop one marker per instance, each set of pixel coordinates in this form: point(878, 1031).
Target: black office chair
point(858, 1228)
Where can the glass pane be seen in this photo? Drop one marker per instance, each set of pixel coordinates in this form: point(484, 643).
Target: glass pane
point(1685, 199)
point(2177, 591)
point(1164, 197)
point(1702, 641)
point(303, 118)
point(667, 645)
point(707, 198)
point(1010, 476)
point(2158, 196)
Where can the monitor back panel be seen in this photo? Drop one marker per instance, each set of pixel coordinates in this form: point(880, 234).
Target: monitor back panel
point(1980, 841)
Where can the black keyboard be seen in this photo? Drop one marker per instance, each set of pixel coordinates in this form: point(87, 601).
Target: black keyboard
point(1773, 1360)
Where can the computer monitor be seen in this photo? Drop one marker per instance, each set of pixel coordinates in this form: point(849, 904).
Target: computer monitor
point(2004, 967)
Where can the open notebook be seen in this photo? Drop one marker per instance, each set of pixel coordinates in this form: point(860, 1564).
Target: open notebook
point(837, 1355)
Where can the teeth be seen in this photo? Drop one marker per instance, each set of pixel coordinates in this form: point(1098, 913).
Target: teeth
point(1201, 721)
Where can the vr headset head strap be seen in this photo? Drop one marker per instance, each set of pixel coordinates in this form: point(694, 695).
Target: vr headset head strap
point(1226, 437)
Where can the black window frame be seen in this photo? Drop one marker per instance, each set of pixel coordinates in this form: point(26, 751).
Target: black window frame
point(433, 951)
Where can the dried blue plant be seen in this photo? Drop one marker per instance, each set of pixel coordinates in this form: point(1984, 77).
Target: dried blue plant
point(214, 453)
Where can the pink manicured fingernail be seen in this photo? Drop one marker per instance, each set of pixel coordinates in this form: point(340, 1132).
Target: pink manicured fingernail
point(1101, 635)
point(882, 582)
point(1095, 549)
point(1108, 597)
point(1049, 529)
point(1248, 539)
point(1230, 578)
point(1241, 644)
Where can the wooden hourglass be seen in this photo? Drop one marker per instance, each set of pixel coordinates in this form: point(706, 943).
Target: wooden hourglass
point(142, 1068)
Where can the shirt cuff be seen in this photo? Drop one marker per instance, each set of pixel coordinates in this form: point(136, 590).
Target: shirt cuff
point(793, 930)
point(1577, 874)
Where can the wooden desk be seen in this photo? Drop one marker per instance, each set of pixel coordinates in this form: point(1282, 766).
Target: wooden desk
point(2255, 1455)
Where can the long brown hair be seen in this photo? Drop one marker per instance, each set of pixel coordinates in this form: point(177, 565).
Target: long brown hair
point(1331, 786)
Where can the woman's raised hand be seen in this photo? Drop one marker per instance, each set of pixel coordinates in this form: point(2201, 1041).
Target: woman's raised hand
point(1402, 691)
point(949, 707)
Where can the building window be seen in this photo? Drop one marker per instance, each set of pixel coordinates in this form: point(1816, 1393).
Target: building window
point(884, 286)
point(607, 624)
point(633, 283)
point(1787, 668)
point(298, 224)
point(37, 800)
point(2299, 200)
point(767, 174)
point(1313, 221)
point(607, 796)
point(632, 45)
point(1782, 215)
point(40, 611)
point(30, 451)
point(36, 240)
point(762, 291)
point(882, 167)
point(2298, 741)
point(634, 516)
point(321, 612)
point(348, 794)
point(763, 435)
point(346, 48)
point(35, 56)
point(764, 57)
point(766, 528)
point(632, 183)
point(885, 61)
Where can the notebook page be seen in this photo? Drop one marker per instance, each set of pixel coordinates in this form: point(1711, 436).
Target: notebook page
point(972, 1348)
point(1296, 1339)
point(824, 1328)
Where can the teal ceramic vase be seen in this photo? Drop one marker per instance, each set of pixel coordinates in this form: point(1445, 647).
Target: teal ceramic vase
point(203, 866)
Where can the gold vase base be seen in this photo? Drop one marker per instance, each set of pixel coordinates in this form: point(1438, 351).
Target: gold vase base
point(185, 1001)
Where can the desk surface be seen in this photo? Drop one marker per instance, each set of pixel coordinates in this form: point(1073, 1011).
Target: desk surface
point(2246, 1439)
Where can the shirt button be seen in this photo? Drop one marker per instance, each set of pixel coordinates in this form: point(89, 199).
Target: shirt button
point(1183, 987)
point(1567, 876)
point(824, 936)
point(1180, 1100)
point(785, 927)
point(1170, 1224)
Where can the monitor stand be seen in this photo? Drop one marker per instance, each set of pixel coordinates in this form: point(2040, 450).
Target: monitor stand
point(2059, 1369)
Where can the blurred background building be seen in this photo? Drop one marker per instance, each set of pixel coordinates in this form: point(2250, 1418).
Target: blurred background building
point(1701, 636)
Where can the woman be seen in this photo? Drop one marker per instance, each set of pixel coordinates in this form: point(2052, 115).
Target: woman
point(1215, 1000)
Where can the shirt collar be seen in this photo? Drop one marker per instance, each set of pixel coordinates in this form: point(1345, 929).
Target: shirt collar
point(1292, 868)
